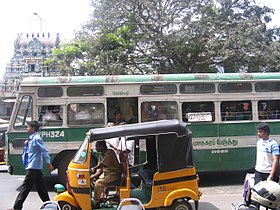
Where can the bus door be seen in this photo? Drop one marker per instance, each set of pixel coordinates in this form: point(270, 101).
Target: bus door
point(127, 106)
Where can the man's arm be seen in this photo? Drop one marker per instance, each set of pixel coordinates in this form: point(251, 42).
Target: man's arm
point(274, 167)
point(45, 153)
point(96, 175)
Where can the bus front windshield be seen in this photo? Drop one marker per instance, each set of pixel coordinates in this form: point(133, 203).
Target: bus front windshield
point(24, 112)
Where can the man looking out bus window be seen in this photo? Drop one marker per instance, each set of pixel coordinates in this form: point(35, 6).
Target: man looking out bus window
point(83, 113)
point(51, 114)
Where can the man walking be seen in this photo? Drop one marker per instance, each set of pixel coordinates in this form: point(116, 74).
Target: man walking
point(36, 153)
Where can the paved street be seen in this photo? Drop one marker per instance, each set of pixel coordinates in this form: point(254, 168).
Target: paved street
point(219, 190)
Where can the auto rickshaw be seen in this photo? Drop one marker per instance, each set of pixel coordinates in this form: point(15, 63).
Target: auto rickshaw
point(164, 167)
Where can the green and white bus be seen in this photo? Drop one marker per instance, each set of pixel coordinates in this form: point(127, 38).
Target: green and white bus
point(222, 110)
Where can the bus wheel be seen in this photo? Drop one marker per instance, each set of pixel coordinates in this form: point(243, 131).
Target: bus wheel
point(66, 206)
point(62, 167)
point(181, 204)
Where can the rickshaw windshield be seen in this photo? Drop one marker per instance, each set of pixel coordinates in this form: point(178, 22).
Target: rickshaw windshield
point(81, 155)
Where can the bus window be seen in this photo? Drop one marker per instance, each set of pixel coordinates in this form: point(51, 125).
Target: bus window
point(198, 111)
point(85, 113)
point(192, 88)
point(24, 113)
point(51, 115)
point(158, 110)
point(239, 87)
point(50, 91)
point(236, 110)
point(85, 91)
point(127, 106)
point(269, 109)
point(158, 89)
point(267, 87)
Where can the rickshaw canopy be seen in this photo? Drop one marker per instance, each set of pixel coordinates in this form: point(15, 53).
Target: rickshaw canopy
point(172, 143)
point(153, 128)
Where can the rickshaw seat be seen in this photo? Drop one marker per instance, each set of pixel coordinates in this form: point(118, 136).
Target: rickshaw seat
point(147, 176)
point(115, 183)
point(112, 186)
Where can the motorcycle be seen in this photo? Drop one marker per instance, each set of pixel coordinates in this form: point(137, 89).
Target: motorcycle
point(264, 193)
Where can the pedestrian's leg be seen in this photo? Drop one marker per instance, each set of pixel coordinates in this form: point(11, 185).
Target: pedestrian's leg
point(26, 187)
point(41, 187)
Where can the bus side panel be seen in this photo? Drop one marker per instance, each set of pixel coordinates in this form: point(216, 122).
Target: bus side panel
point(227, 146)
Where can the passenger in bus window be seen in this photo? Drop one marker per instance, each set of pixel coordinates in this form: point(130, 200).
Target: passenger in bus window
point(71, 111)
point(145, 116)
point(247, 113)
point(153, 112)
point(111, 107)
point(262, 110)
point(162, 113)
point(270, 113)
point(97, 113)
point(228, 114)
point(117, 118)
point(243, 112)
point(265, 111)
point(239, 113)
point(125, 106)
point(83, 113)
point(51, 114)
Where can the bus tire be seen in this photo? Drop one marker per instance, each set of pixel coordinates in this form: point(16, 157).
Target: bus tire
point(66, 206)
point(62, 167)
point(180, 204)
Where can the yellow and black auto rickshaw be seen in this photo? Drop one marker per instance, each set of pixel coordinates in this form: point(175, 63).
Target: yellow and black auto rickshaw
point(163, 175)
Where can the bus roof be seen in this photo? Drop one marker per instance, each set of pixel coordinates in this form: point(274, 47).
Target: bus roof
point(60, 80)
point(147, 128)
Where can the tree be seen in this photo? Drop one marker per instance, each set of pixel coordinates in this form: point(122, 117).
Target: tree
point(179, 36)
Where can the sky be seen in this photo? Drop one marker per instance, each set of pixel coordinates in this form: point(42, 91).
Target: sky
point(58, 16)
point(55, 16)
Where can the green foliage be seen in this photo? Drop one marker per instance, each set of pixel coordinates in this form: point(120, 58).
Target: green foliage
point(173, 36)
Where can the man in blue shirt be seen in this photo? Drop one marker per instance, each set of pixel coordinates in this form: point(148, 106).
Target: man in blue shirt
point(36, 153)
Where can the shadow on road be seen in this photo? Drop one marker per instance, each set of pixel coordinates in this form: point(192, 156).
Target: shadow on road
point(209, 179)
point(206, 205)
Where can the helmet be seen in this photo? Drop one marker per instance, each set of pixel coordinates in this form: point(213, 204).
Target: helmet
point(50, 205)
point(266, 193)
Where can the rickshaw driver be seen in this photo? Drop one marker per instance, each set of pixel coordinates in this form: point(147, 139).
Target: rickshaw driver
point(107, 170)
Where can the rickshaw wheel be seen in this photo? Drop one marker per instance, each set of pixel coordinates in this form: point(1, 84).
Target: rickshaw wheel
point(180, 204)
point(66, 206)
